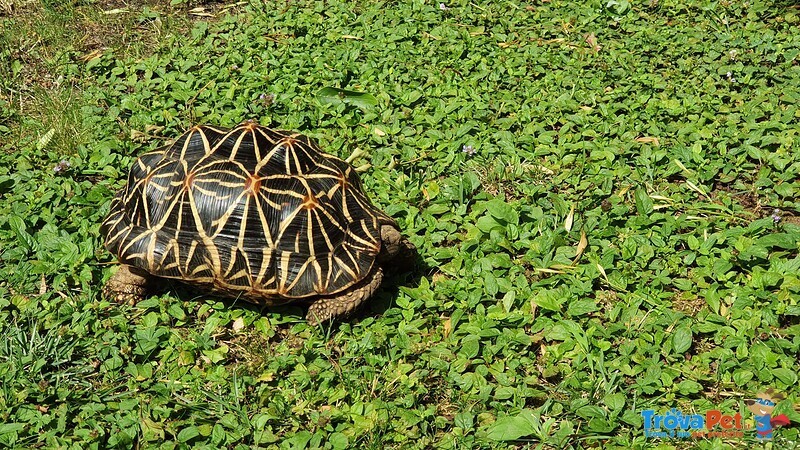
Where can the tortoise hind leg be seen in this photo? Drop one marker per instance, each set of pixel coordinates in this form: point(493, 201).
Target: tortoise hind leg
point(128, 285)
point(345, 303)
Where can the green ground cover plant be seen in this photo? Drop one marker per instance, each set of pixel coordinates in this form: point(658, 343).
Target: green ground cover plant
point(604, 195)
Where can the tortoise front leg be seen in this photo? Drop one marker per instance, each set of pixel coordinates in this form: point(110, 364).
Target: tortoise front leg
point(128, 285)
point(345, 303)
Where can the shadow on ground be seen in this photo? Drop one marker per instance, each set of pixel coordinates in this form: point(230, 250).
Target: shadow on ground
point(384, 299)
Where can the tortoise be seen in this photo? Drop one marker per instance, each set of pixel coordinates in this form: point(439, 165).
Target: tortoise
point(252, 213)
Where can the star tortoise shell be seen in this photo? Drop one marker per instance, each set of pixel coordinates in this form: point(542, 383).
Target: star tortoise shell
point(250, 212)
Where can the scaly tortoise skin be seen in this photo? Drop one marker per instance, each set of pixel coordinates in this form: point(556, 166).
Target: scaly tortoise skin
point(252, 213)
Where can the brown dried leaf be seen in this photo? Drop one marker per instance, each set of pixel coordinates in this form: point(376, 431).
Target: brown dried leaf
point(570, 218)
point(94, 54)
point(603, 273)
point(153, 129)
point(266, 377)
point(42, 285)
point(138, 136)
point(648, 140)
point(582, 244)
point(238, 324)
point(591, 39)
point(447, 326)
point(200, 11)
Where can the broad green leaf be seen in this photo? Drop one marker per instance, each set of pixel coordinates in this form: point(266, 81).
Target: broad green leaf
point(785, 241)
point(644, 204)
point(502, 211)
point(333, 95)
point(464, 420)
point(550, 299)
point(338, 441)
point(175, 310)
point(490, 284)
point(590, 411)
point(742, 377)
point(600, 425)
point(300, 439)
point(508, 300)
point(470, 346)
point(581, 307)
point(722, 266)
point(510, 428)
point(23, 237)
point(787, 376)
point(45, 139)
point(686, 387)
point(11, 427)
point(681, 339)
point(188, 433)
point(614, 402)
point(487, 224)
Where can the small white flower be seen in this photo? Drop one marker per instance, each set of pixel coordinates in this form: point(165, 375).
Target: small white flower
point(62, 166)
point(267, 99)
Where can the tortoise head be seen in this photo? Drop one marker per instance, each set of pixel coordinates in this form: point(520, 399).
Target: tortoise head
point(395, 248)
